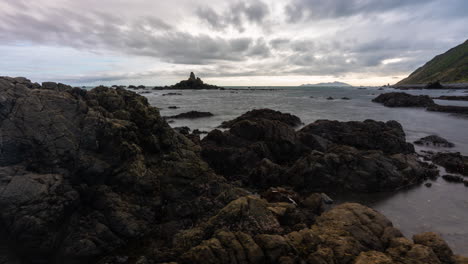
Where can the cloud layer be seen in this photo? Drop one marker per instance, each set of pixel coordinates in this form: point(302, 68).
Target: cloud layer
point(309, 38)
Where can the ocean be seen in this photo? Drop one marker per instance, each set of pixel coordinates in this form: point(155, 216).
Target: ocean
point(443, 208)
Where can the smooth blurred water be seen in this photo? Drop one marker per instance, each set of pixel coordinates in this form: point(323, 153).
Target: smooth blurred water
point(442, 208)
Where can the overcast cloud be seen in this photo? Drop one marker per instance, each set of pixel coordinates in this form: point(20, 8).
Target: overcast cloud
point(254, 42)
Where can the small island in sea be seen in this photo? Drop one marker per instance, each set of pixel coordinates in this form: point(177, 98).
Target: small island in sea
point(327, 84)
point(192, 83)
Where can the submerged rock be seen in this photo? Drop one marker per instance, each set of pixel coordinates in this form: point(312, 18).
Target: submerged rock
point(403, 100)
point(434, 140)
point(452, 98)
point(191, 115)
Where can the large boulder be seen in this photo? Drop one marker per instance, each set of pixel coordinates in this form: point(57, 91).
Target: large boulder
point(235, 152)
point(347, 168)
point(84, 172)
point(369, 134)
point(257, 114)
point(403, 100)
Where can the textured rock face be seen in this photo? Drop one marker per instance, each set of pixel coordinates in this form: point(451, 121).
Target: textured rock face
point(99, 177)
point(407, 100)
point(404, 100)
point(372, 135)
point(349, 233)
point(452, 161)
point(365, 156)
point(193, 83)
point(82, 172)
point(435, 141)
point(268, 114)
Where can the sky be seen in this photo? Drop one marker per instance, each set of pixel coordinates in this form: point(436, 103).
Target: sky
point(227, 43)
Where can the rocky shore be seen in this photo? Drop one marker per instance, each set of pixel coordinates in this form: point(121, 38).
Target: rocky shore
point(99, 177)
point(398, 99)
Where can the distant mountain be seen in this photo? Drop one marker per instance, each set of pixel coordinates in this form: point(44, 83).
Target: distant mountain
point(450, 67)
point(340, 84)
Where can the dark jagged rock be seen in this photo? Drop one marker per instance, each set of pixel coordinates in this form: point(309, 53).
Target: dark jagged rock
point(199, 132)
point(84, 172)
point(182, 130)
point(453, 162)
point(346, 168)
point(193, 83)
point(264, 153)
point(453, 178)
point(434, 140)
point(386, 136)
point(452, 98)
point(170, 94)
point(99, 177)
point(403, 100)
point(191, 115)
point(173, 107)
point(434, 85)
point(407, 100)
point(345, 98)
point(235, 152)
point(449, 109)
point(257, 114)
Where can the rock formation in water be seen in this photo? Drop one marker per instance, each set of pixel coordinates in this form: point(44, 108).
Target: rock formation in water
point(99, 177)
point(403, 100)
point(434, 141)
point(452, 98)
point(191, 115)
point(359, 156)
point(408, 100)
point(192, 83)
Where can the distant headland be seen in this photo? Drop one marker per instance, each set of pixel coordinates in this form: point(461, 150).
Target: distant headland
point(340, 84)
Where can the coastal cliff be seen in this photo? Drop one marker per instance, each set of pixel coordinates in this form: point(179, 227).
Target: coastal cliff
point(98, 176)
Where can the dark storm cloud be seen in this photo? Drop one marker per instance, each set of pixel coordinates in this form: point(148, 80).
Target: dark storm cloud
point(237, 15)
point(148, 36)
point(317, 9)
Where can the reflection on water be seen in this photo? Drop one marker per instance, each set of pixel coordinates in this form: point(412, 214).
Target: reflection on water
point(443, 208)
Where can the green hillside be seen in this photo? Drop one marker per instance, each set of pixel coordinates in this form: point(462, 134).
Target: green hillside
point(450, 67)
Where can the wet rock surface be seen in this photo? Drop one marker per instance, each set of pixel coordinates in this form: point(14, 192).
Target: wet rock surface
point(435, 141)
point(403, 100)
point(266, 114)
point(191, 115)
point(453, 162)
point(408, 100)
point(362, 156)
point(99, 177)
point(452, 98)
